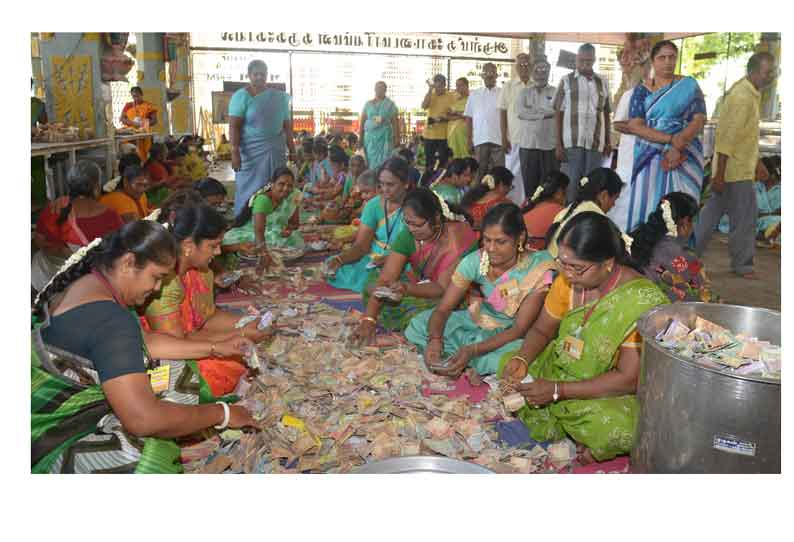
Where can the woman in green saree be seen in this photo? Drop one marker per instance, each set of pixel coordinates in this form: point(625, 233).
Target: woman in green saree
point(271, 217)
point(94, 408)
point(583, 351)
point(433, 242)
point(514, 283)
point(379, 127)
point(454, 181)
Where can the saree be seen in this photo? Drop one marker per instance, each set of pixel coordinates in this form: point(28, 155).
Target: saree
point(188, 302)
point(123, 203)
point(72, 426)
point(263, 146)
point(492, 315)
point(479, 209)
point(378, 136)
point(353, 276)
point(679, 273)
point(605, 425)
point(669, 110)
point(277, 219)
point(141, 111)
point(457, 136)
point(428, 261)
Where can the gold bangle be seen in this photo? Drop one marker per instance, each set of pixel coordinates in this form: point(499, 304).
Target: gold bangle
point(521, 358)
point(212, 349)
point(369, 319)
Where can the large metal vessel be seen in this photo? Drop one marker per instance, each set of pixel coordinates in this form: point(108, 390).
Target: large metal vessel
point(699, 420)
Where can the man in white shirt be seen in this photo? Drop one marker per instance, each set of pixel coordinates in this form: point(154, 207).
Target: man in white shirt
point(482, 120)
point(620, 212)
point(511, 125)
point(583, 108)
point(538, 129)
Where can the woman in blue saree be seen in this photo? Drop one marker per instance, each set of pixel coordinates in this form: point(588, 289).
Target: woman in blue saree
point(667, 113)
point(260, 130)
point(381, 224)
point(379, 127)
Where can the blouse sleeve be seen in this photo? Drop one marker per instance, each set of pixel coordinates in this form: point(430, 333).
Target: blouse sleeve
point(118, 347)
point(558, 300)
point(166, 303)
point(637, 106)
point(262, 205)
point(698, 106)
point(468, 271)
point(238, 104)
point(370, 216)
point(404, 243)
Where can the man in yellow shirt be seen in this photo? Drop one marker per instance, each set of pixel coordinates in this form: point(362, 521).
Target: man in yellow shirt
point(438, 103)
point(736, 149)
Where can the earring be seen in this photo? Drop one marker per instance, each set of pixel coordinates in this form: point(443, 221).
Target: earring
point(520, 247)
point(485, 263)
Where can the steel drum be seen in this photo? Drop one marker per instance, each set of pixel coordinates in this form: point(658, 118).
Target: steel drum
point(695, 419)
point(422, 464)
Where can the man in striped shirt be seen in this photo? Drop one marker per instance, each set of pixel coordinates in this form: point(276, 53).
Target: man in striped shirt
point(582, 109)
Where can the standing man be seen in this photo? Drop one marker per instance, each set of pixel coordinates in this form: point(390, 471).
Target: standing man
point(482, 119)
point(582, 105)
point(437, 102)
point(736, 147)
point(538, 128)
point(511, 126)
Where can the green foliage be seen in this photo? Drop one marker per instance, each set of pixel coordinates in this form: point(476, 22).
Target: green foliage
point(726, 45)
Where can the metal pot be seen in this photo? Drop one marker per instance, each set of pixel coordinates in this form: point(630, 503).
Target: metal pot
point(695, 419)
point(422, 464)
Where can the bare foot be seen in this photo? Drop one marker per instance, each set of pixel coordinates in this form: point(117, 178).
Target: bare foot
point(587, 457)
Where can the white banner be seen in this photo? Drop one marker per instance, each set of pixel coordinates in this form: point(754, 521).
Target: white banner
point(427, 44)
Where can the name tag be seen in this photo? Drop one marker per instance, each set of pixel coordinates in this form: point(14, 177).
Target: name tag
point(159, 378)
point(573, 347)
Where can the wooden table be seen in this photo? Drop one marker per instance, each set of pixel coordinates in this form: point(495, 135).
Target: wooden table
point(127, 138)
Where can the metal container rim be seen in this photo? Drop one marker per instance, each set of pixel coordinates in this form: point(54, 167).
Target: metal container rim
point(641, 327)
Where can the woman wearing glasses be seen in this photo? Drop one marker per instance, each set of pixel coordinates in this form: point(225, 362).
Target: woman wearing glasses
point(514, 283)
point(433, 242)
point(583, 351)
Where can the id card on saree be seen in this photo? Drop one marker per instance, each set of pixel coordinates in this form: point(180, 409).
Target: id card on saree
point(159, 378)
point(573, 346)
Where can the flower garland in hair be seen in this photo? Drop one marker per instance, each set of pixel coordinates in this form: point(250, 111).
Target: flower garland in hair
point(69, 263)
point(628, 241)
point(667, 215)
point(489, 181)
point(536, 195)
point(583, 181)
point(445, 210)
point(111, 185)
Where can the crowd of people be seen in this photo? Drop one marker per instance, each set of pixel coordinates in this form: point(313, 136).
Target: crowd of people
point(544, 290)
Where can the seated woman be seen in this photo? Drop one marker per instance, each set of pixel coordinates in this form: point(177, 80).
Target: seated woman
point(335, 185)
point(224, 150)
point(583, 351)
point(271, 217)
point(358, 165)
point(321, 167)
point(129, 198)
point(490, 192)
point(192, 165)
point(349, 202)
point(70, 222)
point(659, 248)
point(381, 223)
point(433, 243)
point(364, 190)
point(185, 306)
point(162, 179)
point(212, 190)
point(93, 406)
point(514, 283)
point(768, 196)
point(596, 193)
point(454, 182)
point(543, 206)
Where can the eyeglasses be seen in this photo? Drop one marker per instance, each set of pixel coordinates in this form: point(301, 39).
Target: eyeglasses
point(575, 269)
point(415, 225)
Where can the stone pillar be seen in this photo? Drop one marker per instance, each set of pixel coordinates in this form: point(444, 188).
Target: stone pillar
point(770, 43)
point(70, 63)
point(151, 76)
point(180, 78)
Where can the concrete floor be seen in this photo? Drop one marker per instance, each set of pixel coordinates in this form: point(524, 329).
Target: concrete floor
point(734, 290)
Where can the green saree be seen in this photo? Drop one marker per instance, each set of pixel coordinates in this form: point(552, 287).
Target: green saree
point(605, 425)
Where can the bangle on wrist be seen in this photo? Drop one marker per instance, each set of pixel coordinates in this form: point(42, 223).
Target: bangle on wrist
point(369, 319)
point(242, 332)
point(521, 359)
point(435, 338)
point(556, 395)
point(225, 423)
point(212, 349)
